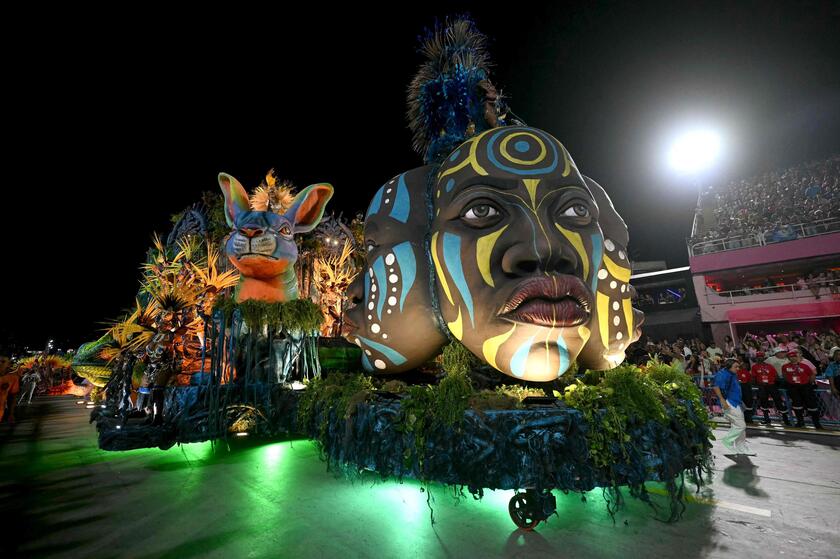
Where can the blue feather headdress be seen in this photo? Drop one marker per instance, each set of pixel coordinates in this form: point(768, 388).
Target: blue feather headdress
point(451, 98)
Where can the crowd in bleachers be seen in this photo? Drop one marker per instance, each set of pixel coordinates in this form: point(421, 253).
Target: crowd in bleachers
point(821, 283)
point(772, 206)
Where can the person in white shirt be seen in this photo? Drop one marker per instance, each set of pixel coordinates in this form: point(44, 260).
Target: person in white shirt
point(714, 351)
point(778, 360)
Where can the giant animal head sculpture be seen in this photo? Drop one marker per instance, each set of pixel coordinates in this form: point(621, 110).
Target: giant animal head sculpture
point(261, 243)
point(512, 251)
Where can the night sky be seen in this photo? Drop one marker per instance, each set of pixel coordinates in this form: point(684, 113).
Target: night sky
point(118, 120)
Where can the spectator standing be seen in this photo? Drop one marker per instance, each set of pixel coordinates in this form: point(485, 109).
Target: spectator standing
point(832, 372)
point(728, 392)
point(745, 380)
point(777, 361)
point(800, 382)
point(765, 375)
point(715, 353)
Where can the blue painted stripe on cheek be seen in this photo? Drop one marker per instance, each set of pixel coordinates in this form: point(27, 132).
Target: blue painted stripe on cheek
point(392, 355)
point(366, 363)
point(408, 268)
point(452, 258)
point(597, 255)
point(381, 285)
point(519, 361)
point(564, 355)
point(402, 203)
point(367, 286)
point(375, 203)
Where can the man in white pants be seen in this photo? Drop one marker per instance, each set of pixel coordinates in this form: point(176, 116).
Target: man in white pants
point(728, 391)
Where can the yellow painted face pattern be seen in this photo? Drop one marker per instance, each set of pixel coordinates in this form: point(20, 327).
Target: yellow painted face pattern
point(615, 311)
point(483, 250)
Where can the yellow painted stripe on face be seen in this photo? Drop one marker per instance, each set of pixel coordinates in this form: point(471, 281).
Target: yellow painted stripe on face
point(439, 269)
point(483, 251)
point(577, 242)
point(618, 272)
point(457, 327)
point(568, 161)
point(603, 304)
point(471, 158)
point(628, 318)
point(584, 333)
point(531, 186)
point(491, 347)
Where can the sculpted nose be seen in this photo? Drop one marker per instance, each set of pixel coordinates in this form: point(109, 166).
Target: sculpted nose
point(528, 258)
point(251, 232)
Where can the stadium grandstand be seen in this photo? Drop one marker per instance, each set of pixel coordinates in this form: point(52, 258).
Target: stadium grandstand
point(765, 252)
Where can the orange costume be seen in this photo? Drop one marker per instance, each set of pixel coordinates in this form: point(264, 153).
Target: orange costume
point(9, 386)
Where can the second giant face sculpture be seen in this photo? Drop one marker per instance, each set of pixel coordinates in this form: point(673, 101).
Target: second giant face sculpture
point(393, 319)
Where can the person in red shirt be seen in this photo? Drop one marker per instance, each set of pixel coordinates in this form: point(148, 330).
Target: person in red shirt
point(764, 375)
point(800, 381)
point(745, 379)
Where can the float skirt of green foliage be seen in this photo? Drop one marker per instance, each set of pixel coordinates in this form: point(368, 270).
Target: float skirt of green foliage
point(629, 427)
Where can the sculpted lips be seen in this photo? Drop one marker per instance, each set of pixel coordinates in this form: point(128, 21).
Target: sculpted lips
point(557, 300)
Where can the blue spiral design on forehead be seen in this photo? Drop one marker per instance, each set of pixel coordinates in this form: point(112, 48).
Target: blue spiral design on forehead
point(521, 146)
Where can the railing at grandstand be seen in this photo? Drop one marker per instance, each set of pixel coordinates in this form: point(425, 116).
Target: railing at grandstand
point(828, 288)
point(788, 233)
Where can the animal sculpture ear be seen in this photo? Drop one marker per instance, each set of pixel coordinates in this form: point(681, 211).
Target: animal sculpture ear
point(307, 209)
point(236, 199)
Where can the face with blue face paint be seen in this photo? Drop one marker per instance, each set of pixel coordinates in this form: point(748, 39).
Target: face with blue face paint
point(517, 250)
point(392, 318)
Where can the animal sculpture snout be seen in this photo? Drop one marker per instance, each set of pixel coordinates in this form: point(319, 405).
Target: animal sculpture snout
point(251, 232)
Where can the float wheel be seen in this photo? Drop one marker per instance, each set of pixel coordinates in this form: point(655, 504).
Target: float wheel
point(523, 511)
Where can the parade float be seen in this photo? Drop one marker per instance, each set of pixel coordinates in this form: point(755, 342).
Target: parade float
point(505, 261)
point(485, 296)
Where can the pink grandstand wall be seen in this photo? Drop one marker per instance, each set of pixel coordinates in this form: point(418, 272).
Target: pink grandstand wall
point(819, 309)
point(810, 247)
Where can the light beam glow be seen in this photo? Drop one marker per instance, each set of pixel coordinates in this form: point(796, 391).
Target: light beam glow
point(694, 151)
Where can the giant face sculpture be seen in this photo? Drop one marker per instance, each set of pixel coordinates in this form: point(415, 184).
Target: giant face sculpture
point(518, 251)
point(393, 319)
point(617, 324)
point(261, 244)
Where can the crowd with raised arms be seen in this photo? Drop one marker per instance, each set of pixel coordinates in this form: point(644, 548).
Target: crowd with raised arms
point(793, 361)
point(772, 205)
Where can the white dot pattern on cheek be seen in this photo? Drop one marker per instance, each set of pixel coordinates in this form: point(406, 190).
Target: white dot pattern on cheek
point(392, 300)
point(616, 306)
point(610, 246)
point(616, 321)
point(393, 278)
point(602, 274)
point(389, 260)
point(375, 328)
point(379, 364)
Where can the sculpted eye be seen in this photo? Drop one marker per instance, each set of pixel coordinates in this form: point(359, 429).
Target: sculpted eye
point(370, 246)
point(481, 213)
point(576, 210)
point(286, 231)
